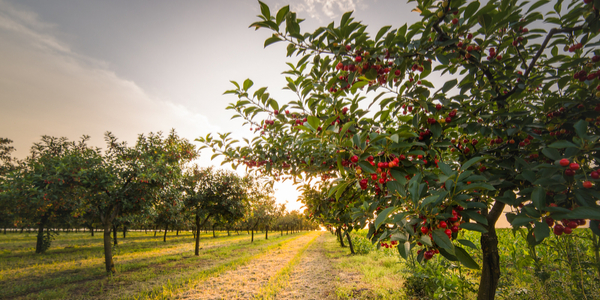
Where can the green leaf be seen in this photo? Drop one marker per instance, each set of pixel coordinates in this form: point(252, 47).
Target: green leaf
point(426, 240)
point(538, 197)
point(473, 227)
point(449, 85)
point(562, 144)
point(521, 220)
point(357, 85)
point(445, 168)
point(471, 8)
point(313, 121)
point(381, 32)
point(475, 216)
point(264, 9)
point(468, 244)
point(541, 231)
point(551, 153)
point(581, 129)
point(466, 259)
point(441, 239)
point(536, 5)
point(272, 40)
point(586, 212)
point(471, 161)
point(382, 216)
point(394, 186)
point(367, 167)
point(281, 14)
point(340, 190)
point(404, 249)
point(248, 84)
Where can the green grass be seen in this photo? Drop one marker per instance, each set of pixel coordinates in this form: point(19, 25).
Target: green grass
point(73, 266)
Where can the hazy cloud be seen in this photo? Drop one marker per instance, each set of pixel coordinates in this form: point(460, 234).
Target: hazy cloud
point(47, 89)
point(330, 8)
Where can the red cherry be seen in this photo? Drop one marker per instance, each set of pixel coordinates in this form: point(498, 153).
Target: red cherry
point(558, 229)
point(438, 106)
point(455, 21)
point(354, 159)
point(348, 47)
point(443, 224)
point(424, 230)
point(448, 231)
point(568, 230)
point(587, 184)
point(574, 166)
point(358, 59)
point(564, 162)
point(595, 175)
point(428, 255)
point(569, 172)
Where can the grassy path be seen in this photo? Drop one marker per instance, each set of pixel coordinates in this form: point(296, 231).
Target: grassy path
point(145, 265)
point(245, 281)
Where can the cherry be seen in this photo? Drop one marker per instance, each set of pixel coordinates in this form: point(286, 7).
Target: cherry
point(587, 184)
point(574, 166)
point(443, 224)
point(558, 229)
point(438, 106)
point(428, 254)
point(564, 162)
point(569, 172)
point(568, 230)
point(358, 59)
point(354, 159)
point(572, 224)
point(424, 230)
point(455, 21)
point(595, 175)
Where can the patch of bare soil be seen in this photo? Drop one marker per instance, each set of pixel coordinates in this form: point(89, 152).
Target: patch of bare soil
point(313, 277)
point(245, 281)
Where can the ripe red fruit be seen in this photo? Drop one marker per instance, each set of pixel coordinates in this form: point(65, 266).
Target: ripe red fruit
point(564, 162)
point(549, 221)
point(574, 166)
point(358, 59)
point(569, 172)
point(448, 232)
point(397, 72)
point(455, 21)
point(438, 106)
point(424, 230)
point(348, 47)
point(339, 66)
point(572, 224)
point(587, 184)
point(448, 119)
point(443, 224)
point(568, 230)
point(402, 157)
point(558, 229)
point(354, 159)
point(428, 254)
point(595, 175)
point(454, 228)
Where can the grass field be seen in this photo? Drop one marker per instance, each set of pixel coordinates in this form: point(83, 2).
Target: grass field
point(306, 265)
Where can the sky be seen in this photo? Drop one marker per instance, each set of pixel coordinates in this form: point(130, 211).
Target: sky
point(73, 68)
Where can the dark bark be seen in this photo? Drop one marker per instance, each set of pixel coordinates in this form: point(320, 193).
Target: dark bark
point(266, 233)
point(252, 240)
point(124, 231)
point(177, 234)
point(350, 243)
point(115, 235)
point(165, 236)
point(338, 232)
point(198, 228)
point(108, 261)
point(213, 230)
point(40, 239)
point(490, 271)
point(92, 230)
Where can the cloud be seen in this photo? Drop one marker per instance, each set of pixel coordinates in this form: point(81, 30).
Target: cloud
point(48, 89)
point(330, 8)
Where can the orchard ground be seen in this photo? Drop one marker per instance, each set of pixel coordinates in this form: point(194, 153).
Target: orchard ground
point(305, 265)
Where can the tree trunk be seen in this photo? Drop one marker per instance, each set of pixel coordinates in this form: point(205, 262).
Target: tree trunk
point(252, 240)
point(340, 237)
point(115, 235)
point(108, 261)
point(92, 230)
point(213, 230)
point(165, 236)
point(266, 233)
point(490, 271)
point(39, 246)
point(124, 231)
point(350, 243)
point(197, 247)
point(177, 234)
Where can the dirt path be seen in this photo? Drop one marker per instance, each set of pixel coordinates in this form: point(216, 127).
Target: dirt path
point(312, 277)
point(245, 281)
